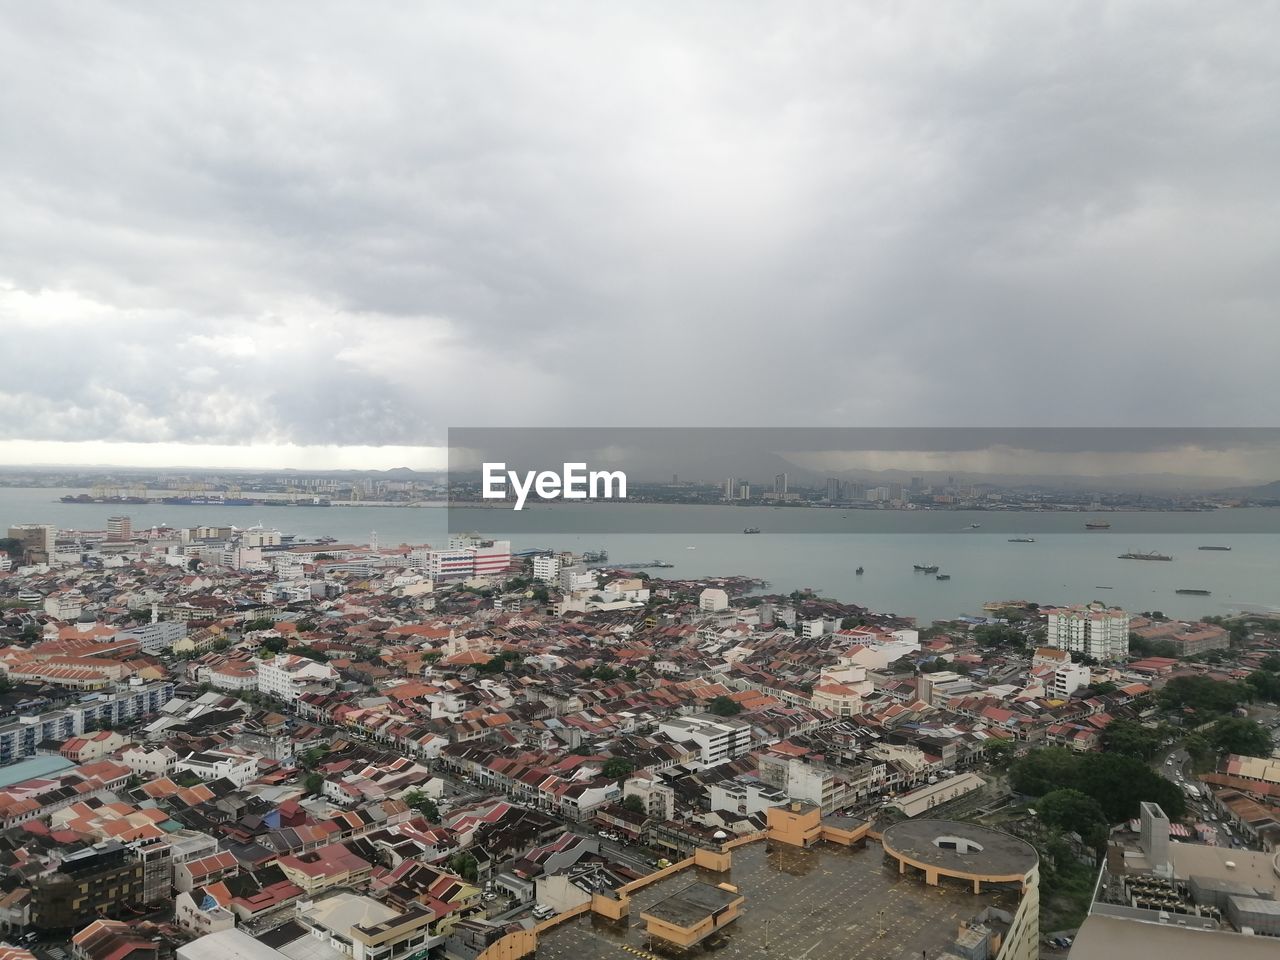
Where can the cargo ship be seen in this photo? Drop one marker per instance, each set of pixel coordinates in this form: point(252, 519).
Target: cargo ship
point(1022, 539)
point(1213, 548)
point(925, 568)
point(1097, 525)
point(1144, 556)
point(751, 530)
point(86, 498)
point(1193, 592)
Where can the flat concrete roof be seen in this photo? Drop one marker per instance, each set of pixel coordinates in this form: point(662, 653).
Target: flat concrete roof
point(1110, 938)
point(824, 902)
point(233, 944)
point(1258, 870)
point(930, 842)
point(693, 904)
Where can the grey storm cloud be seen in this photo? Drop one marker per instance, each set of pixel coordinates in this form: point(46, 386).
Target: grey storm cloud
point(320, 223)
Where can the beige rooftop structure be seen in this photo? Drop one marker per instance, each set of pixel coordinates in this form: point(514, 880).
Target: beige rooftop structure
point(1110, 938)
point(1158, 897)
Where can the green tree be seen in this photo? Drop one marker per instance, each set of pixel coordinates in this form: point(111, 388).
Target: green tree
point(1201, 752)
point(1131, 739)
point(419, 801)
point(1118, 783)
point(1041, 771)
point(306, 626)
point(1242, 736)
point(308, 759)
point(634, 804)
point(275, 644)
point(262, 623)
point(1202, 694)
point(722, 706)
point(1265, 683)
point(1074, 812)
point(1000, 753)
point(465, 866)
point(1121, 783)
point(999, 635)
point(615, 768)
point(1142, 647)
point(314, 783)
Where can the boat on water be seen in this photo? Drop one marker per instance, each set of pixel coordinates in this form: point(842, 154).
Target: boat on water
point(1096, 587)
point(751, 530)
point(1022, 539)
point(1213, 548)
point(974, 526)
point(943, 576)
point(925, 567)
point(1193, 592)
point(1134, 555)
point(858, 572)
point(1097, 525)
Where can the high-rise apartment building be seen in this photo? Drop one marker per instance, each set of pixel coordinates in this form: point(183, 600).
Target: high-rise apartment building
point(119, 529)
point(1092, 630)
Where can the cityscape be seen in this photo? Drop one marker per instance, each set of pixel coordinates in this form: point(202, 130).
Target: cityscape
point(223, 740)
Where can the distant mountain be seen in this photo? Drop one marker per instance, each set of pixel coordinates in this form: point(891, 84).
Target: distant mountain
point(1267, 491)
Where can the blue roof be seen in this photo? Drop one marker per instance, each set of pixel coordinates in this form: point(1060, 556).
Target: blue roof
point(29, 769)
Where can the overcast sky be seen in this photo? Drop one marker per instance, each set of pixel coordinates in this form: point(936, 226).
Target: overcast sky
point(318, 234)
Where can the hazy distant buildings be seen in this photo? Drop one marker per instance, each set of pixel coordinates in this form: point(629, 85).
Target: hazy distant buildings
point(1095, 631)
point(780, 485)
point(834, 489)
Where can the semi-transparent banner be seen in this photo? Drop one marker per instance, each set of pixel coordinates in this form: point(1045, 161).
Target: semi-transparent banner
point(1020, 482)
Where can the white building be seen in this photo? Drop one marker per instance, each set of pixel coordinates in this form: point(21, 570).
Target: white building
point(154, 637)
point(576, 578)
point(258, 537)
point(288, 676)
point(745, 796)
point(1095, 631)
point(841, 691)
point(216, 764)
point(65, 605)
point(1067, 679)
point(546, 568)
point(465, 557)
point(659, 799)
point(716, 739)
point(159, 762)
point(713, 600)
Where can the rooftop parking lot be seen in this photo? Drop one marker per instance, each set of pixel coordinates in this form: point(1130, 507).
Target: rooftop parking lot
point(824, 903)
